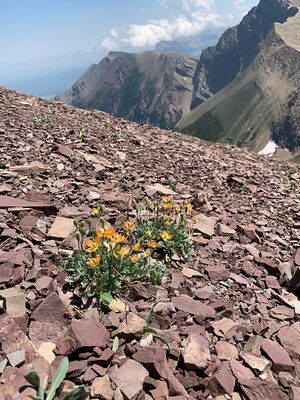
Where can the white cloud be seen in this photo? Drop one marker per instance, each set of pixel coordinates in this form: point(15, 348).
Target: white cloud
point(204, 4)
point(109, 43)
point(113, 32)
point(241, 5)
point(148, 35)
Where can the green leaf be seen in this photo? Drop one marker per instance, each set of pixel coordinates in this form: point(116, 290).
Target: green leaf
point(149, 316)
point(77, 394)
point(58, 378)
point(107, 297)
point(33, 378)
point(115, 344)
point(35, 397)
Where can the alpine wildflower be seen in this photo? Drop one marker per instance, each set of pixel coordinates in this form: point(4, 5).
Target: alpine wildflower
point(165, 235)
point(94, 262)
point(129, 226)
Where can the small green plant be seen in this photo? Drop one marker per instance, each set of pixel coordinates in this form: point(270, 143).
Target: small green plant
point(80, 132)
point(107, 261)
point(172, 185)
point(33, 378)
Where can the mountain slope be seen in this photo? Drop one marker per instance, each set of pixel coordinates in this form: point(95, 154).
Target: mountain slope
point(262, 103)
point(149, 87)
point(236, 49)
point(221, 312)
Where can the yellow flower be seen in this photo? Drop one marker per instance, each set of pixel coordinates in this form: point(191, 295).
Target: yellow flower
point(167, 206)
point(136, 247)
point(93, 245)
point(147, 252)
point(153, 244)
point(129, 226)
point(135, 258)
point(148, 233)
point(167, 199)
point(95, 211)
point(94, 262)
point(189, 207)
point(165, 235)
point(124, 251)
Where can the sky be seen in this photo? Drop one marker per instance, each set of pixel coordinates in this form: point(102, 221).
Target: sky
point(44, 31)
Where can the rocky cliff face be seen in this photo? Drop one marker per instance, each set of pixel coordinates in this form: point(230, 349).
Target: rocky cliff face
point(150, 87)
point(263, 102)
point(236, 49)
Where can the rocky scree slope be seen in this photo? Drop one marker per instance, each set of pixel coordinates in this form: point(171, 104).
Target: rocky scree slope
point(262, 103)
point(151, 87)
point(232, 326)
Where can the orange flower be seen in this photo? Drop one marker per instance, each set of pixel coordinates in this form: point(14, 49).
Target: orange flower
point(189, 207)
point(167, 199)
point(124, 251)
point(95, 211)
point(167, 206)
point(147, 252)
point(93, 245)
point(94, 262)
point(135, 258)
point(165, 235)
point(118, 238)
point(136, 247)
point(153, 244)
point(129, 226)
point(107, 232)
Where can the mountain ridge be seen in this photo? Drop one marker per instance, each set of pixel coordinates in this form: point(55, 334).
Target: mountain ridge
point(262, 103)
point(150, 87)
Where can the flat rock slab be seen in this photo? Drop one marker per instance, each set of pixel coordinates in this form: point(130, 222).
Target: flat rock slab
point(129, 378)
point(256, 389)
point(195, 307)
point(89, 333)
point(61, 228)
point(205, 225)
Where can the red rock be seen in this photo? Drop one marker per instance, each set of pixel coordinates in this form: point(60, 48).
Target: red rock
point(6, 272)
point(282, 313)
point(34, 167)
point(14, 302)
point(43, 331)
point(240, 371)
point(289, 339)
point(278, 355)
point(196, 354)
point(101, 388)
point(256, 389)
point(131, 327)
point(223, 381)
point(63, 150)
point(52, 309)
point(129, 378)
point(154, 359)
point(21, 257)
point(226, 351)
point(12, 202)
point(295, 393)
point(12, 338)
point(217, 272)
point(89, 333)
point(187, 304)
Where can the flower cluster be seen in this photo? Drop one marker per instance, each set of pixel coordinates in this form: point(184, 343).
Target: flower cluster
point(108, 260)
